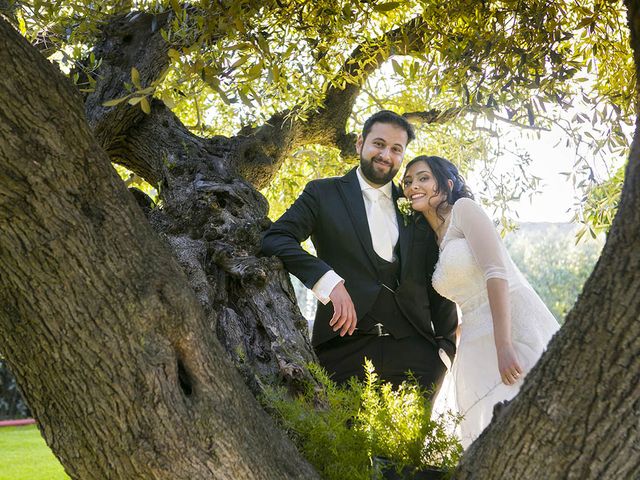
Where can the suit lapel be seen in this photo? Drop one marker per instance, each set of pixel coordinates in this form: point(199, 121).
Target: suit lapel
point(351, 194)
point(405, 233)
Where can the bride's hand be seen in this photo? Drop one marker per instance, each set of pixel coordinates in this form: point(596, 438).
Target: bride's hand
point(508, 364)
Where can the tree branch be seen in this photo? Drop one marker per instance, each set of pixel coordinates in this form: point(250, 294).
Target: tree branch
point(129, 41)
point(327, 125)
point(440, 116)
point(436, 116)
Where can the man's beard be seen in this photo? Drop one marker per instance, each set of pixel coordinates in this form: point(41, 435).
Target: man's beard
point(370, 173)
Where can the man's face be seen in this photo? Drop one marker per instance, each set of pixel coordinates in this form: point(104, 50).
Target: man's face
point(381, 153)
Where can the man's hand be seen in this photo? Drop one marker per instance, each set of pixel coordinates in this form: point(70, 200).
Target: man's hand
point(344, 313)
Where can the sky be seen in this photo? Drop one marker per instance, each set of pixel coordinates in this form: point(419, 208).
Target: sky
point(550, 157)
point(554, 202)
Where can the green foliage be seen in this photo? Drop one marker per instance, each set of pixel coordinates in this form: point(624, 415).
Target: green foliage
point(138, 95)
point(266, 57)
point(234, 63)
point(340, 429)
point(599, 206)
point(305, 165)
point(551, 261)
point(132, 180)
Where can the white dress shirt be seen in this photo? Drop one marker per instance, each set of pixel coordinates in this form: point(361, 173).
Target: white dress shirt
point(384, 230)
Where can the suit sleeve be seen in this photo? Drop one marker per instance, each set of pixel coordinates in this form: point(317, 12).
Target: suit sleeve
point(444, 316)
point(285, 235)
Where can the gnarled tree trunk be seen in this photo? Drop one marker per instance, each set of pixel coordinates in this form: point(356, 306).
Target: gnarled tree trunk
point(118, 360)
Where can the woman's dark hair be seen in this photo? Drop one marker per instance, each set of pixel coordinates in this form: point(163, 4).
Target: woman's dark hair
point(443, 170)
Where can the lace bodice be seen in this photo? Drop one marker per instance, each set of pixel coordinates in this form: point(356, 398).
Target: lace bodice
point(471, 252)
point(457, 276)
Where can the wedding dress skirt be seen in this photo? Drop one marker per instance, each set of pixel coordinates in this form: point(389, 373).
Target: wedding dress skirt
point(461, 275)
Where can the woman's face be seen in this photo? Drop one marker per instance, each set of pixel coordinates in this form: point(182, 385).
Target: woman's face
point(421, 187)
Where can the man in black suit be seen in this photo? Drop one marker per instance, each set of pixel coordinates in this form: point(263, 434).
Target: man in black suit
point(372, 273)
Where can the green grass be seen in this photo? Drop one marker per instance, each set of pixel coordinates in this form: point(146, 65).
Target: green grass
point(25, 456)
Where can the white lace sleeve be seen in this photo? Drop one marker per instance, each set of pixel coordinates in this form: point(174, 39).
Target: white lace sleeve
point(484, 241)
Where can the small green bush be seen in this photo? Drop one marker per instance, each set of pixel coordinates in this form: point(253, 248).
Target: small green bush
point(341, 429)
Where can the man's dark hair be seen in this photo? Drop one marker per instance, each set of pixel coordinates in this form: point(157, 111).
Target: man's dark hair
point(387, 116)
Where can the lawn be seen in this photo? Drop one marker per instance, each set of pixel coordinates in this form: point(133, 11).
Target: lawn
point(25, 456)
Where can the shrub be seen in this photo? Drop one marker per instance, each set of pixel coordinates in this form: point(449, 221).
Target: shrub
point(342, 429)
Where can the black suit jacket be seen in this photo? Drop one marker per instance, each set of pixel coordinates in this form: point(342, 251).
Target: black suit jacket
point(332, 212)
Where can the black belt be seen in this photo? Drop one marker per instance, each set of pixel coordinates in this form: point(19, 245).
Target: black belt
point(378, 330)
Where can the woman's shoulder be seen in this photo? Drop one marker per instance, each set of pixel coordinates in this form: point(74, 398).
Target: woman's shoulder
point(466, 212)
point(466, 204)
point(465, 201)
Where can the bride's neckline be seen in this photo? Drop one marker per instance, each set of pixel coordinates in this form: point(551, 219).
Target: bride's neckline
point(443, 229)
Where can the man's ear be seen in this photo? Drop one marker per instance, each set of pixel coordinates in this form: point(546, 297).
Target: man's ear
point(359, 143)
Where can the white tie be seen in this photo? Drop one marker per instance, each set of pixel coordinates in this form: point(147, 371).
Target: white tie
point(378, 226)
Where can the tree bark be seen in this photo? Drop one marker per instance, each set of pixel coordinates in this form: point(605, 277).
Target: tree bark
point(211, 217)
point(117, 359)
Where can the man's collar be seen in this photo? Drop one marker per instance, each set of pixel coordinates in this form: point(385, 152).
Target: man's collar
point(385, 189)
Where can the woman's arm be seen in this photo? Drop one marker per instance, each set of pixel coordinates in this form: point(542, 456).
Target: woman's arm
point(489, 252)
point(508, 364)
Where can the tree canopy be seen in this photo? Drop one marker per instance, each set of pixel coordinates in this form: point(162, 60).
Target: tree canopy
point(459, 70)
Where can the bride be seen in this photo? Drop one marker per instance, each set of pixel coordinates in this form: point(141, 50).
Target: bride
point(505, 325)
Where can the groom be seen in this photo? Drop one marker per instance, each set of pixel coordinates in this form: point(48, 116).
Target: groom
point(372, 273)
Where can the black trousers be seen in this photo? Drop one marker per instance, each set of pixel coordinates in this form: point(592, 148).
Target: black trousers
point(343, 358)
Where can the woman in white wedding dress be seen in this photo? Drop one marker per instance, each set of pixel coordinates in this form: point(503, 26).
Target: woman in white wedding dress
point(505, 326)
